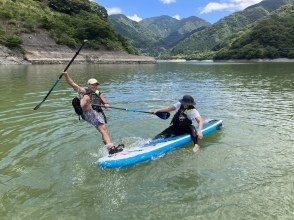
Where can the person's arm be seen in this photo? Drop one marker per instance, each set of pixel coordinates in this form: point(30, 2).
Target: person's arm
point(166, 109)
point(70, 81)
point(200, 126)
point(103, 101)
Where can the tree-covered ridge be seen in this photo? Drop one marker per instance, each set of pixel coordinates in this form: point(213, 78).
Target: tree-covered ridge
point(272, 37)
point(156, 34)
point(190, 24)
point(76, 6)
point(183, 29)
point(203, 44)
point(161, 26)
point(67, 21)
point(139, 36)
point(210, 37)
point(272, 5)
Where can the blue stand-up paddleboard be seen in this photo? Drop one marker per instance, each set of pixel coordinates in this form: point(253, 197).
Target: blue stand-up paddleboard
point(154, 148)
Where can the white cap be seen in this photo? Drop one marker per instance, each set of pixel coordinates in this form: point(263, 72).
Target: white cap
point(92, 81)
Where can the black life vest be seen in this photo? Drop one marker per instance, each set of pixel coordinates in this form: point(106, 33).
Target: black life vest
point(95, 99)
point(180, 119)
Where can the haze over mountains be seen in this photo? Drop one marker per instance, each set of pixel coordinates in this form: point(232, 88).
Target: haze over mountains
point(194, 38)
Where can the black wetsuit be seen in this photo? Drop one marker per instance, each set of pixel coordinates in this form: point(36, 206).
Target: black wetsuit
point(180, 125)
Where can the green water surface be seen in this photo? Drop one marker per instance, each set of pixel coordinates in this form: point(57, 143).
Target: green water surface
point(244, 171)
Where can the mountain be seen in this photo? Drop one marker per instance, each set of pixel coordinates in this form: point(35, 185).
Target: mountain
point(139, 36)
point(161, 26)
point(272, 5)
point(68, 23)
point(191, 23)
point(219, 34)
point(183, 29)
point(272, 37)
point(155, 34)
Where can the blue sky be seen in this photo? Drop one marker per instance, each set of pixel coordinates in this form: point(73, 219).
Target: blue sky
point(210, 10)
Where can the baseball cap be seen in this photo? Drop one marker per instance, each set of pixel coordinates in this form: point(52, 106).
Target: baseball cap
point(93, 81)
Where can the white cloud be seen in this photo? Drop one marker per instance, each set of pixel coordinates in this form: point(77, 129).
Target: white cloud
point(242, 4)
point(167, 1)
point(135, 17)
point(215, 6)
point(177, 16)
point(233, 5)
point(112, 11)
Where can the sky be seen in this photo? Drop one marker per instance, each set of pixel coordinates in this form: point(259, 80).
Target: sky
point(209, 10)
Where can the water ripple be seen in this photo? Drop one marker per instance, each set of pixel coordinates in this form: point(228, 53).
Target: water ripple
point(246, 169)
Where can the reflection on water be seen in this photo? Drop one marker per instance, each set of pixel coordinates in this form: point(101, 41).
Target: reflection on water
point(47, 156)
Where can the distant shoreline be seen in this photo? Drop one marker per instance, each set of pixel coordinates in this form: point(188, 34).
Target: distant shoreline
point(53, 56)
point(109, 57)
point(40, 48)
point(278, 60)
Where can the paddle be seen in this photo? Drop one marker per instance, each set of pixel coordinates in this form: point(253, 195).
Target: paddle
point(56, 82)
point(162, 115)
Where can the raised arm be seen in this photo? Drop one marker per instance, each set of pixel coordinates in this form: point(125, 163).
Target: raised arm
point(70, 81)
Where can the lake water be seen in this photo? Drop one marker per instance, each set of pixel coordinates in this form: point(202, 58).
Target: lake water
point(244, 171)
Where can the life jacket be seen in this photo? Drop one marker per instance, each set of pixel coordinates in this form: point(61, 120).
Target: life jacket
point(180, 119)
point(95, 101)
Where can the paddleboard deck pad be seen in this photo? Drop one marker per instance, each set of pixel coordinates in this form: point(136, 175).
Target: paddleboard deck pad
point(153, 148)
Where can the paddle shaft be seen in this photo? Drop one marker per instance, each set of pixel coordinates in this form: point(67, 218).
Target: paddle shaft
point(129, 110)
point(56, 82)
point(162, 115)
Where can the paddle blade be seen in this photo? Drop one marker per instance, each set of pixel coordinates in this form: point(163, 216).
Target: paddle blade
point(163, 115)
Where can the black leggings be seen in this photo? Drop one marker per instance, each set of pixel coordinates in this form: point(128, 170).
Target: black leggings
point(172, 131)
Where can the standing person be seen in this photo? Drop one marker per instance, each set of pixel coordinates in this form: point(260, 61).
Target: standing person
point(90, 99)
point(182, 121)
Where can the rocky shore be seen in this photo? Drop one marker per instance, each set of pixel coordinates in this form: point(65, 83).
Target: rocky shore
point(8, 57)
point(39, 48)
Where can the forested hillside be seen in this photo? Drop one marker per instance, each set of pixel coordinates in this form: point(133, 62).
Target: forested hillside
point(270, 38)
point(212, 36)
point(182, 30)
point(156, 34)
point(161, 26)
point(263, 30)
point(139, 36)
point(67, 21)
point(272, 5)
point(203, 44)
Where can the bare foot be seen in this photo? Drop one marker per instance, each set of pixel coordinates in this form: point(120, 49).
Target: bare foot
point(196, 148)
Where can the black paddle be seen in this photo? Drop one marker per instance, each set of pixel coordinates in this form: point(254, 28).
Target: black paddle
point(162, 115)
point(38, 106)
